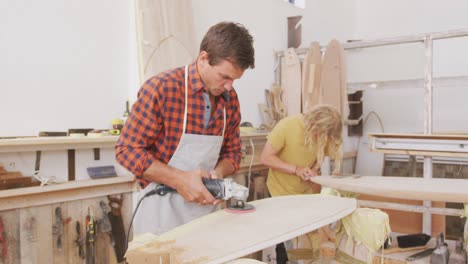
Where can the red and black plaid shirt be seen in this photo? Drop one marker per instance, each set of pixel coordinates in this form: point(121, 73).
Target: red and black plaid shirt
point(154, 127)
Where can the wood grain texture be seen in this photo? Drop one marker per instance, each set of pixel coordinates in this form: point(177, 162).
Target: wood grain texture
point(223, 236)
point(311, 71)
point(69, 191)
point(60, 254)
point(11, 230)
point(291, 81)
point(36, 234)
point(75, 212)
point(333, 78)
point(443, 190)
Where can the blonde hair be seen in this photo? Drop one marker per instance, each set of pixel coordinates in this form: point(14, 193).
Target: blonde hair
point(323, 133)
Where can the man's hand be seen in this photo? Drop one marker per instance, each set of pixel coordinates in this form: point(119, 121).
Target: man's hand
point(193, 189)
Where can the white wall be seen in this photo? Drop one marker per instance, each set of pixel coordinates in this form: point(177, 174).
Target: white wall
point(68, 65)
point(63, 64)
point(73, 64)
point(267, 22)
point(402, 110)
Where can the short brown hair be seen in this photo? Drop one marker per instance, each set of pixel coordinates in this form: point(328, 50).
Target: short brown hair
point(229, 41)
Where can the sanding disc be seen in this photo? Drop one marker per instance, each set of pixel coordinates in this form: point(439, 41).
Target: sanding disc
point(236, 209)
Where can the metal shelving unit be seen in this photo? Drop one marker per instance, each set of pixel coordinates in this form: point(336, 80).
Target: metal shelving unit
point(428, 40)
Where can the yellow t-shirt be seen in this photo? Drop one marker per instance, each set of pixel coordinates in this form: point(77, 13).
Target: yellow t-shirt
point(288, 137)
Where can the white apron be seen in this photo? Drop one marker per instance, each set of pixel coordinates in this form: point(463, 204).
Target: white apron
point(158, 214)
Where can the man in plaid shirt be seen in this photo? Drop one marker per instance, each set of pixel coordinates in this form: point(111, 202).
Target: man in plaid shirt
point(184, 126)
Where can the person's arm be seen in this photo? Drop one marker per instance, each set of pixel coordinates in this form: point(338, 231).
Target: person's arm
point(270, 158)
point(140, 133)
point(187, 183)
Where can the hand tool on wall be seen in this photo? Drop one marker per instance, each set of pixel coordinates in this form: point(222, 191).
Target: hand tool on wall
point(3, 239)
point(90, 238)
point(79, 240)
point(104, 223)
point(118, 229)
point(57, 228)
point(221, 189)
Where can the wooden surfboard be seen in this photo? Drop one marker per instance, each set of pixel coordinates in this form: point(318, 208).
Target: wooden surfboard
point(442, 190)
point(333, 78)
point(291, 81)
point(222, 236)
point(311, 70)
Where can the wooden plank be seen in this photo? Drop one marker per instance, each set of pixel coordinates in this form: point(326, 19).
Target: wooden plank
point(243, 233)
point(75, 212)
point(10, 175)
point(294, 32)
point(333, 80)
point(291, 81)
point(69, 191)
point(18, 182)
point(127, 211)
point(71, 164)
point(280, 109)
point(443, 190)
point(11, 237)
point(55, 143)
point(311, 71)
point(36, 236)
point(60, 253)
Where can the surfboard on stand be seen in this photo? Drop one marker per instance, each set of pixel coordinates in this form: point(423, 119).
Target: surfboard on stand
point(222, 236)
point(434, 189)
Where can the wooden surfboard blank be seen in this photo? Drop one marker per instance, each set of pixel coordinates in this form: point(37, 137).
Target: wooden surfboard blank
point(333, 78)
point(224, 236)
point(291, 81)
point(311, 70)
point(443, 190)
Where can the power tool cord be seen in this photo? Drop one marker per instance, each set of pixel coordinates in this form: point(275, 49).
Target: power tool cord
point(150, 193)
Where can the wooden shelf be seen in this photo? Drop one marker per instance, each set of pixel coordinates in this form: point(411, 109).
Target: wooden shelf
point(63, 192)
point(63, 143)
point(420, 145)
point(55, 143)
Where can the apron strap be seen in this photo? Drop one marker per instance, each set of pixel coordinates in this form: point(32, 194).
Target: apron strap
point(186, 99)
